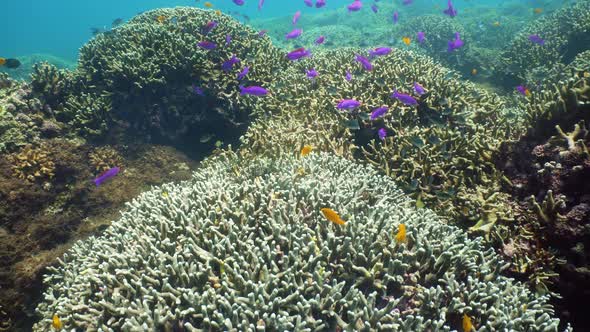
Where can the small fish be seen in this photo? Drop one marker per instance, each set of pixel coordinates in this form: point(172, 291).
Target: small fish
point(305, 150)
point(238, 2)
point(116, 22)
point(161, 19)
point(227, 39)
point(348, 104)
point(308, 3)
point(296, 17)
point(400, 237)
point(294, 34)
point(450, 11)
point(406, 40)
point(419, 89)
point(456, 43)
point(217, 12)
point(209, 26)
point(378, 112)
point(348, 76)
point(523, 90)
point(332, 216)
point(379, 51)
point(106, 175)
point(320, 3)
point(407, 2)
point(56, 322)
point(253, 91)
point(229, 64)
point(404, 98)
point(320, 40)
point(496, 23)
point(538, 10)
point(207, 45)
point(262, 33)
point(165, 194)
point(260, 4)
point(382, 133)
point(420, 36)
point(298, 54)
point(374, 8)
point(474, 71)
point(355, 6)
point(242, 74)
point(537, 40)
point(312, 73)
point(395, 17)
point(9, 63)
point(467, 324)
point(364, 61)
point(197, 90)
point(208, 4)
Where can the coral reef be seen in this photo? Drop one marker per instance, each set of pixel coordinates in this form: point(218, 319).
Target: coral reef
point(32, 163)
point(252, 248)
point(104, 158)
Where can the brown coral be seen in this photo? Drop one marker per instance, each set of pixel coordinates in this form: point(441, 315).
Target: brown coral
point(32, 164)
point(104, 158)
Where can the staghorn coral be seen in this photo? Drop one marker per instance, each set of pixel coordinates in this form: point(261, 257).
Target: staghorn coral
point(104, 158)
point(51, 84)
point(32, 164)
point(248, 250)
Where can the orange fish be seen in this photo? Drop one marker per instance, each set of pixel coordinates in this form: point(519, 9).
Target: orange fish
point(306, 150)
point(538, 10)
point(56, 322)
point(161, 18)
point(401, 234)
point(332, 216)
point(527, 92)
point(467, 324)
point(406, 40)
point(2, 61)
point(208, 4)
point(473, 71)
point(218, 12)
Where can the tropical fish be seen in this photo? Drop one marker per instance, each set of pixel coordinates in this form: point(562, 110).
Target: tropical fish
point(238, 2)
point(253, 91)
point(260, 4)
point(197, 90)
point(467, 324)
point(407, 2)
point(305, 150)
point(208, 4)
point(451, 11)
point(523, 90)
point(406, 40)
point(355, 6)
point(209, 26)
point(261, 33)
point(242, 74)
point(229, 64)
point(207, 45)
point(227, 39)
point(404, 98)
point(420, 36)
point(400, 237)
point(56, 322)
point(320, 3)
point(320, 40)
point(395, 17)
point(374, 8)
point(217, 12)
point(382, 133)
point(536, 39)
point(364, 61)
point(378, 112)
point(538, 10)
point(312, 73)
point(474, 71)
point(161, 19)
point(298, 54)
point(348, 76)
point(332, 216)
point(308, 3)
point(294, 34)
point(348, 104)
point(455, 43)
point(419, 89)
point(496, 23)
point(9, 63)
point(296, 17)
point(106, 175)
point(379, 51)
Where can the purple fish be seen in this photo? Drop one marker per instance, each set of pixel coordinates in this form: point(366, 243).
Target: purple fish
point(395, 17)
point(239, 2)
point(294, 34)
point(455, 43)
point(308, 3)
point(298, 54)
point(348, 76)
point(296, 17)
point(207, 45)
point(253, 90)
point(227, 39)
point(382, 133)
point(537, 40)
point(374, 8)
point(407, 2)
point(355, 6)
point(420, 36)
point(106, 175)
point(229, 64)
point(242, 74)
point(404, 98)
point(378, 112)
point(379, 51)
point(348, 104)
point(260, 4)
point(262, 33)
point(320, 40)
point(451, 11)
point(320, 3)
point(364, 61)
point(198, 91)
point(312, 73)
point(419, 89)
point(209, 26)
point(523, 90)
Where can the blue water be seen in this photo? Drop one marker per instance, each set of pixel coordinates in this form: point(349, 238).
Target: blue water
point(60, 27)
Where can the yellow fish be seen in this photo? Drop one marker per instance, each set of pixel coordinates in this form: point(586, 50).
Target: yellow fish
point(473, 71)
point(467, 324)
point(332, 216)
point(2, 61)
point(401, 234)
point(305, 150)
point(218, 12)
point(161, 19)
point(56, 322)
point(208, 4)
point(538, 10)
point(406, 40)
point(165, 194)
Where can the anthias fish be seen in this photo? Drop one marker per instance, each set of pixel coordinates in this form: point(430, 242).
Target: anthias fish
point(404, 98)
point(110, 173)
point(253, 91)
point(332, 216)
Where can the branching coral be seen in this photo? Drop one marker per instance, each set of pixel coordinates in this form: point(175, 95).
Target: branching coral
point(104, 158)
point(32, 164)
point(247, 250)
